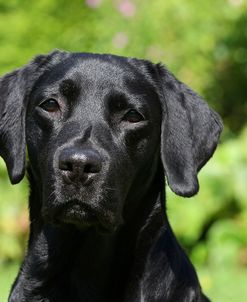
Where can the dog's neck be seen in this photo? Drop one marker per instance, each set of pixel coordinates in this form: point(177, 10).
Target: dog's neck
point(66, 264)
point(88, 263)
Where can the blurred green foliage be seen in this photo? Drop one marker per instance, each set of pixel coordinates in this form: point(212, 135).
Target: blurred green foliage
point(205, 44)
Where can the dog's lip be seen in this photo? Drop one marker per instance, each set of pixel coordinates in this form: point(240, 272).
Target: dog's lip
point(74, 211)
point(83, 215)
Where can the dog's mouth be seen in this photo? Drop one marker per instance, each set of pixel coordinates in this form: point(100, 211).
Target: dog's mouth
point(78, 214)
point(84, 216)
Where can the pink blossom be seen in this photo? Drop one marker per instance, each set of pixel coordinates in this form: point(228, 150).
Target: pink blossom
point(127, 8)
point(93, 3)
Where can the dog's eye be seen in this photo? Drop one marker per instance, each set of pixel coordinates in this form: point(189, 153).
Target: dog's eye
point(50, 105)
point(133, 116)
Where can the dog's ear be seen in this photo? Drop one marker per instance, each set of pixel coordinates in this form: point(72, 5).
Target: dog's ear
point(189, 135)
point(14, 89)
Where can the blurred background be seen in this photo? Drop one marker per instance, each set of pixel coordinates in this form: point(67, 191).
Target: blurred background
point(204, 43)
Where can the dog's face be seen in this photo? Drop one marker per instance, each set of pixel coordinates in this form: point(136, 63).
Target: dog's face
point(97, 128)
point(89, 123)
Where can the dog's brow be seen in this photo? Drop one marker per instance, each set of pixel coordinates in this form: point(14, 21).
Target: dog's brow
point(69, 88)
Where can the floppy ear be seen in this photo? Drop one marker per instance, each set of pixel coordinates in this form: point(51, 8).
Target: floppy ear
point(189, 135)
point(14, 89)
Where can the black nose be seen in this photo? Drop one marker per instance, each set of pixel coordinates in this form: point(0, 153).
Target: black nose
point(79, 164)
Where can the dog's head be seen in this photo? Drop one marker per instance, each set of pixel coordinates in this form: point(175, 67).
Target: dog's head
point(97, 128)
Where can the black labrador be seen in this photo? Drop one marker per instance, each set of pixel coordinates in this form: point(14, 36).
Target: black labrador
point(102, 133)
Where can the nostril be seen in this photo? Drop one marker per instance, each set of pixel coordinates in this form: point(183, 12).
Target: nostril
point(91, 168)
point(88, 169)
point(66, 166)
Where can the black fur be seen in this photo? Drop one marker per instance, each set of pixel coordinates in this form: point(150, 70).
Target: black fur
point(97, 164)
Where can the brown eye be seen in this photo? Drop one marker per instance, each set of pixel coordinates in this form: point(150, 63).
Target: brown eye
point(133, 116)
point(50, 105)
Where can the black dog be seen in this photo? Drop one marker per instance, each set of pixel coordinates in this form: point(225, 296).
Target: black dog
point(102, 132)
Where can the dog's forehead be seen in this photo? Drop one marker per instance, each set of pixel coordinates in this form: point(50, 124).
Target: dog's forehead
point(90, 77)
point(91, 70)
point(84, 72)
